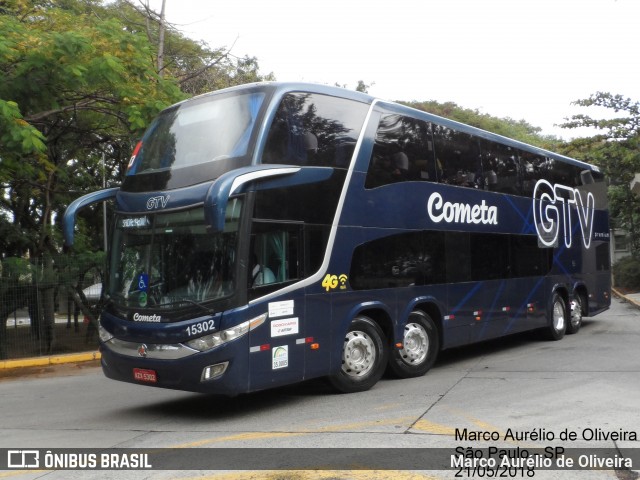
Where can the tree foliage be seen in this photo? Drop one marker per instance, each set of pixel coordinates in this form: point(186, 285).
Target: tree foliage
point(78, 84)
point(615, 148)
point(75, 85)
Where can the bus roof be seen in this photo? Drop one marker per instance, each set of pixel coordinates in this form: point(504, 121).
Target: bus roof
point(280, 88)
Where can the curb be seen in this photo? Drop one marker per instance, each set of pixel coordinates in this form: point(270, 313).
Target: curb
point(622, 296)
point(51, 360)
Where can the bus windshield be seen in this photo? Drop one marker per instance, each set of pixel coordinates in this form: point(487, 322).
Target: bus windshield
point(210, 129)
point(169, 260)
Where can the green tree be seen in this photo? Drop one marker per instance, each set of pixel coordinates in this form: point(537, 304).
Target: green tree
point(616, 150)
point(75, 85)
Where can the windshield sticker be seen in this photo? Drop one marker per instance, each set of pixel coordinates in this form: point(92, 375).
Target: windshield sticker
point(143, 286)
point(286, 326)
point(143, 282)
point(281, 309)
point(142, 299)
point(280, 357)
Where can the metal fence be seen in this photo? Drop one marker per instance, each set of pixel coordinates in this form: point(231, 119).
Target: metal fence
point(49, 306)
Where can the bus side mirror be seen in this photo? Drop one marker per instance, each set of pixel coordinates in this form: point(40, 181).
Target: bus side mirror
point(215, 203)
point(69, 219)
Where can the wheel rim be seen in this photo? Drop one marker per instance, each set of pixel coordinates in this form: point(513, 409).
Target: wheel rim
point(359, 354)
point(558, 316)
point(415, 345)
point(576, 312)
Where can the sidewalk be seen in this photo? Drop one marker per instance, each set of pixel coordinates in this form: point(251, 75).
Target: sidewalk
point(633, 298)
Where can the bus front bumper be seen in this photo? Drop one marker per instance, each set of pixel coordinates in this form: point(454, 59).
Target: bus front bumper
point(221, 370)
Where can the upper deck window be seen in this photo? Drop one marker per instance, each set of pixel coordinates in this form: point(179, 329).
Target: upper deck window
point(206, 130)
point(313, 129)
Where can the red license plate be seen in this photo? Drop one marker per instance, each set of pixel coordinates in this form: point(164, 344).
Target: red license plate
point(144, 375)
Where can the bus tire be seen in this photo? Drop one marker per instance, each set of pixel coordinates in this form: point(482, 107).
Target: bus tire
point(575, 319)
point(557, 318)
point(364, 357)
point(421, 344)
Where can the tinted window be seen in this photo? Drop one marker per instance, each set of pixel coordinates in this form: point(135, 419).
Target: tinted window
point(311, 129)
point(309, 203)
point(490, 259)
point(458, 257)
point(423, 258)
point(403, 260)
point(564, 173)
point(316, 238)
point(274, 256)
point(403, 151)
point(457, 157)
point(527, 259)
point(533, 168)
point(501, 168)
point(602, 257)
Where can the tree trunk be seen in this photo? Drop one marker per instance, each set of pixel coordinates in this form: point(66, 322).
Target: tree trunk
point(161, 41)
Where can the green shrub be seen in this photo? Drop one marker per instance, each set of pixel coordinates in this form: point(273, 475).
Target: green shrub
point(626, 273)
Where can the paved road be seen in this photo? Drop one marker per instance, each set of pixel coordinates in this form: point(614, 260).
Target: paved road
point(587, 382)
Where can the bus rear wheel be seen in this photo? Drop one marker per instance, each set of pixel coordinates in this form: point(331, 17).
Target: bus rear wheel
point(577, 308)
point(557, 318)
point(420, 347)
point(364, 357)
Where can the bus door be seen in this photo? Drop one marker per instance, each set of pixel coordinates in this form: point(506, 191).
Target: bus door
point(277, 351)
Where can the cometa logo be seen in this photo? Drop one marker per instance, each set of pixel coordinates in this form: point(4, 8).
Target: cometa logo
point(441, 211)
point(137, 317)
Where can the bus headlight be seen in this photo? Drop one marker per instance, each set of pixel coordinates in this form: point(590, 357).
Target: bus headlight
point(103, 333)
point(213, 340)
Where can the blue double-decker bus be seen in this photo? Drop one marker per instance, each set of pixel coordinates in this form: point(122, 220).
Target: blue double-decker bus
point(276, 232)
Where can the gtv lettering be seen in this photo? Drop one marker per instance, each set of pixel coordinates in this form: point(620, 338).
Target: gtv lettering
point(449, 212)
point(552, 202)
point(160, 201)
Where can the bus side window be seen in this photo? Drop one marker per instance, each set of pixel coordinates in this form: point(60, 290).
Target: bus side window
point(314, 130)
point(457, 158)
point(403, 151)
point(402, 260)
point(274, 254)
point(566, 174)
point(533, 168)
point(500, 168)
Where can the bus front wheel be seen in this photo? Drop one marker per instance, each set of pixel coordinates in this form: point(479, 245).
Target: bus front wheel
point(364, 357)
point(420, 346)
point(557, 318)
